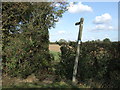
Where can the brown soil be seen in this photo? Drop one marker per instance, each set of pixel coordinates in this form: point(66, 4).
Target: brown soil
point(8, 81)
point(54, 47)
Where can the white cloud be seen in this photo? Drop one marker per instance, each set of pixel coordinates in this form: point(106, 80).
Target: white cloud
point(103, 22)
point(110, 27)
point(103, 27)
point(106, 36)
point(104, 18)
point(78, 8)
point(100, 27)
point(61, 32)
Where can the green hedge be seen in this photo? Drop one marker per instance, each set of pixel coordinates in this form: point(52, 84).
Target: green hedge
point(99, 63)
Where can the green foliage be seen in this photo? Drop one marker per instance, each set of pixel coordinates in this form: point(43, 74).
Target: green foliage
point(97, 62)
point(106, 40)
point(61, 42)
point(64, 69)
point(26, 37)
point(56, 56)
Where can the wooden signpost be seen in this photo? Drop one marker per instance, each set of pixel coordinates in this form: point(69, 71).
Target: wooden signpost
point(78, 49)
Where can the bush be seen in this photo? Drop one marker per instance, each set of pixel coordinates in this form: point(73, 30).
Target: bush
point(65, 67)
point(97, 62)
point(23, 57)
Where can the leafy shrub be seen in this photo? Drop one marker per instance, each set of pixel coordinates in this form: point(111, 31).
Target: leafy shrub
point(26, 36)
point(97, 62)
point(23, 58)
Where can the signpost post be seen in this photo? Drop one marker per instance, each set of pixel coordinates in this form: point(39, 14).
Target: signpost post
point(78, 49)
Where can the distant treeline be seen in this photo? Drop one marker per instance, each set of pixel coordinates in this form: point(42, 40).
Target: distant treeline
point(63, 41)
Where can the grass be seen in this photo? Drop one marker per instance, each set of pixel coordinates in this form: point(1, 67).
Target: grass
point(56, 55)
point(38, 85)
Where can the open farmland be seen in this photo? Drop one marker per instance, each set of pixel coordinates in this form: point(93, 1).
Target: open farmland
point(54, 47)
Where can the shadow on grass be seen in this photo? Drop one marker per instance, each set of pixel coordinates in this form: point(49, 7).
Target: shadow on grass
point(56, 85)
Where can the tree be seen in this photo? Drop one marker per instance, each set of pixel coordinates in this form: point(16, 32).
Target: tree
point(26, 36)
point(106, 40)
point(62, 41)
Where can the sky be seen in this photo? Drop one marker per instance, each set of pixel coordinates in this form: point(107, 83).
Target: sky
point(100, 22)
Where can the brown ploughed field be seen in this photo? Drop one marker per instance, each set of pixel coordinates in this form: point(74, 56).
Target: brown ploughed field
point(54, 47)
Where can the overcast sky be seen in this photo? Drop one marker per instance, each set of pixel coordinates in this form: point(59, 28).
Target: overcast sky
point(100, 21)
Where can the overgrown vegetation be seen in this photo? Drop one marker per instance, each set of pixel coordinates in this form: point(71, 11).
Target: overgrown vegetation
point(26, 37)
point(25, 49)
point(99, 63)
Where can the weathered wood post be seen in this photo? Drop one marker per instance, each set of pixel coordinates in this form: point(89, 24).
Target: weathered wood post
point(78, 49)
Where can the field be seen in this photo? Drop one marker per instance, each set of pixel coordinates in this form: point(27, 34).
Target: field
point(55, 51)
point(54, 47)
